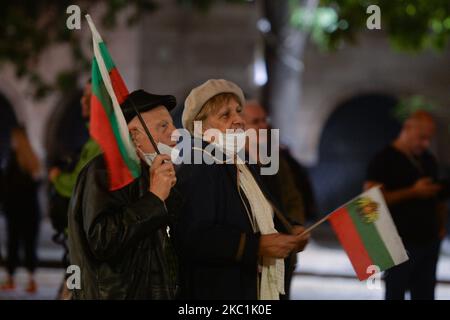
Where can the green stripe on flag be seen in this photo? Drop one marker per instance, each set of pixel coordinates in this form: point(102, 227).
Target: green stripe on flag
point(371, 238)
point(99, 90)
point(106, 57)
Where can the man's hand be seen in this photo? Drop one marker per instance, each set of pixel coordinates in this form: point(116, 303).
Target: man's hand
point(162, 176)
point(425, 188)
point(302, 240)
point(53, 173)
point(277, 245)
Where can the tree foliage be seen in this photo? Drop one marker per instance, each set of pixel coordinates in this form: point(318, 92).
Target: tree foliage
point(28, 28)
point(412, 25)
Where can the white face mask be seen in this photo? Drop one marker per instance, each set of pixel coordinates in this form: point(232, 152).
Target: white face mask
point(163, 148)
point(232, 143)
point(148, 157)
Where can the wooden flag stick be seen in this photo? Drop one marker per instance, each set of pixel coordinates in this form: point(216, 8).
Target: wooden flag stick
point(141, 120)
point(315, 225)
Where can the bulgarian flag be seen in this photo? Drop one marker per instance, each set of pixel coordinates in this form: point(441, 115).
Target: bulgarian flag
point(108, 126)
point(368, 234)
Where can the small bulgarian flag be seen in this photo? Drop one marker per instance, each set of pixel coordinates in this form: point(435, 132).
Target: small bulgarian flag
point(108, 126)
point(368, 234)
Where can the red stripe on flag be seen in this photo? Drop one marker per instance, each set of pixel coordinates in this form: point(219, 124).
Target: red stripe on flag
point(351, 242)
point(118, 85)
point(102, 132)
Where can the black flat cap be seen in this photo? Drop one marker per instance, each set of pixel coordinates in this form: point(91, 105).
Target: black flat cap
point(145, 101)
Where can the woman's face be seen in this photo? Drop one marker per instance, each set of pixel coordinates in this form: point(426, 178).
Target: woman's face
point(227, 116)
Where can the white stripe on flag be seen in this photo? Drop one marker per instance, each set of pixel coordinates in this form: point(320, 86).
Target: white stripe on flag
point(387, 229)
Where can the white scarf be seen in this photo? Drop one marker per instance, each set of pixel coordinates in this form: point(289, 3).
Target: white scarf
point(272, 276)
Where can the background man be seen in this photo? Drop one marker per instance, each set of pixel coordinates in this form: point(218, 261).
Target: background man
point(408, 173)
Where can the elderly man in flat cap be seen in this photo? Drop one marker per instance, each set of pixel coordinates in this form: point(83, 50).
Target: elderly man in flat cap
point(120, 239)
point(230, 244)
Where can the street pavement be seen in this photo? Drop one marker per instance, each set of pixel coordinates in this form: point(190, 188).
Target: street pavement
point(323, 273)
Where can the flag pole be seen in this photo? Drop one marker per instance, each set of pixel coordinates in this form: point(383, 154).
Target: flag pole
point(141, 120)
point(315, 225)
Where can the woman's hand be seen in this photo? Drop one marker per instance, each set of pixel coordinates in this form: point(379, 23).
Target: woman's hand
point(277, 245)
point(302, 240)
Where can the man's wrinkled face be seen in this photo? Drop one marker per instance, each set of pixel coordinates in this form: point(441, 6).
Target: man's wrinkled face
point(420, 133)
point(160, 124)
point(86, 101)
point(227, 116)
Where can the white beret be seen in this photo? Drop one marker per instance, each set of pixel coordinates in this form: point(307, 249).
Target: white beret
point(201, 94)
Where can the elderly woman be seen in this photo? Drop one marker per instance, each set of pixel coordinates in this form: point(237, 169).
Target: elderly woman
point(230, 244)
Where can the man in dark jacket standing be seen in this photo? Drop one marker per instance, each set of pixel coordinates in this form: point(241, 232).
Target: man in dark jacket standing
point(120, 239)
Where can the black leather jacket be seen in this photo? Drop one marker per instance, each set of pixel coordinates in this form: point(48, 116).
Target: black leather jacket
point(119, 238)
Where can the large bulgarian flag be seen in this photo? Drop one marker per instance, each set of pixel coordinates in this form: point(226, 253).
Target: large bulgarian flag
point(368, 234)
point(108, 126)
